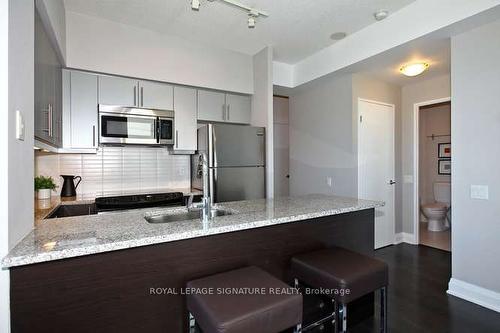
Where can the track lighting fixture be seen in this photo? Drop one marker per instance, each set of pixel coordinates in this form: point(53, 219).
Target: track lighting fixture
point(253, 13)
point(195, 5)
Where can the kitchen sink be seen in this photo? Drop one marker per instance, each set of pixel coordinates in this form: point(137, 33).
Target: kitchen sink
point(184, 216)
point(73, 210)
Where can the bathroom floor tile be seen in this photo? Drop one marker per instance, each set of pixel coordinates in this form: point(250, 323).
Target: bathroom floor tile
point(438, 239)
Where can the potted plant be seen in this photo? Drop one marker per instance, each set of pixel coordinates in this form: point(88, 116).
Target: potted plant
point(44, 186)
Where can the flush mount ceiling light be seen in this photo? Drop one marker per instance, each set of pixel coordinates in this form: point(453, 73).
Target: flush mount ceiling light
point(381, 14)
point(414, 69)
point(253, 13)
point(338, 35)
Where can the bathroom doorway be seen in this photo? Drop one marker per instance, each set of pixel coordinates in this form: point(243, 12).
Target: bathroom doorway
point(433, 181)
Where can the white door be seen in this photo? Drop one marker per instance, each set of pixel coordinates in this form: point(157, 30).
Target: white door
point(211, 106)
point(281, 147)
point(238, 108)
point(185, 119)
point(376, 165)
point(118, 91)
point(155, 95)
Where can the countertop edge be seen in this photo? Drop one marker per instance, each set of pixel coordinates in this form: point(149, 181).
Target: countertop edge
point(23, 260)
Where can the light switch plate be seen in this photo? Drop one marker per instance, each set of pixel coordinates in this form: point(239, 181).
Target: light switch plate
point(479, 192)
point(19, 126)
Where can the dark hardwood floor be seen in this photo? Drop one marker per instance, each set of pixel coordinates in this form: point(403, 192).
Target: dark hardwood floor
point(418, 301)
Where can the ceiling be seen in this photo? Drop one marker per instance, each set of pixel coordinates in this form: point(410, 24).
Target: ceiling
point(433, 50)
point(296, 29)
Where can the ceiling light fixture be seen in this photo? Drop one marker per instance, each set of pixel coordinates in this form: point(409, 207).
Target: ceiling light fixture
point(253, 13)
point(414, 69)
point(381, 14)
point(195, 5)
point(338, 35)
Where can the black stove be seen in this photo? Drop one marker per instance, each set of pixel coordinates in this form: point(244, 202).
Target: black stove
point(106, 204)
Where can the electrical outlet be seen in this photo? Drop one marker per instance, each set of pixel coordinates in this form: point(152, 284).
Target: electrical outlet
point(479, 192)
point(329, 181)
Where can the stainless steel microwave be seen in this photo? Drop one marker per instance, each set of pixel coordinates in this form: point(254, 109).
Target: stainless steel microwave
point(125, 125)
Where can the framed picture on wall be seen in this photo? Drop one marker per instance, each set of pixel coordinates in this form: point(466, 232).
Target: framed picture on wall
point(444, 150)
point(444, 167)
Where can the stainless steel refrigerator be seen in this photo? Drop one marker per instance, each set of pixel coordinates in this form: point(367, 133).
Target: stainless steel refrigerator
point(237, 162)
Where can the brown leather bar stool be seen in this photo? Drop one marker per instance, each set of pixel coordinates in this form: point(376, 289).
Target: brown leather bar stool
point(246, 300)
point(340, 269)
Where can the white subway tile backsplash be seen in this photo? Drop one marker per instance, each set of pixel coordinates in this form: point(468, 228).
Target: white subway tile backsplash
point(115, 170)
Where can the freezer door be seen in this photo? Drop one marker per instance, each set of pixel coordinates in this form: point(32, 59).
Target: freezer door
point(241, 183)
point(234, 145)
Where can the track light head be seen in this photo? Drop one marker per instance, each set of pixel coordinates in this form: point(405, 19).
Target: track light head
point(251, 21)
point(195, 5)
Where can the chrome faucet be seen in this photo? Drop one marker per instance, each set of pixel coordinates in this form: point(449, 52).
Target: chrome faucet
point(206, 202)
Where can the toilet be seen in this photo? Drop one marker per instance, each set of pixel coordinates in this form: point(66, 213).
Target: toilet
point(437, 212)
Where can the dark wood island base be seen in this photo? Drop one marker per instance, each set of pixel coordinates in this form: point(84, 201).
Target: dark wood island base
point(111, 291)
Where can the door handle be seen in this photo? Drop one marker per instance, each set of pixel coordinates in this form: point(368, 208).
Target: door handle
point(392, 182)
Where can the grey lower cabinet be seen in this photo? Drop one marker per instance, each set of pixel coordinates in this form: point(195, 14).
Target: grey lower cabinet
point(185, 101)
point(114, 90)
point(224, 107)
point(80, 125)
point(47, 106)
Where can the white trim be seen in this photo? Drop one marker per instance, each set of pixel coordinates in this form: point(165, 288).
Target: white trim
point(470, 292)
point(416, 138)
point(393, 106)
point(404, 237)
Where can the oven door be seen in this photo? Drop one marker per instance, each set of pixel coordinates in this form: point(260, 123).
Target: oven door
point(127, 129)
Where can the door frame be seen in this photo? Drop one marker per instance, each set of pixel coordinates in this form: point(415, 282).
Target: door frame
point(416, 157)
point(393, 106)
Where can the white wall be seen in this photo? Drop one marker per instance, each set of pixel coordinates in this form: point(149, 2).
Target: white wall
point(21, 97)
point(373, 89)
point(475, 122)
point(105, 46)
point(435, 120)
point(4, 165)
point(53, 16)
point(321, 138)
point(262, 108)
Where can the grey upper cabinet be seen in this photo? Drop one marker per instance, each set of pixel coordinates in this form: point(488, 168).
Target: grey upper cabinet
point(118, 91)
point(221, 107)
point(155, 95)
point(48, 109)
point(80, 110)
point(211, 106)
point(238, 108)
point(185, 119)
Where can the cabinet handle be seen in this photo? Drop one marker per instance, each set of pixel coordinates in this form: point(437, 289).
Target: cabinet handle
point(223, 111)
point(228, 112)
point(135, 96)
point(142, 96)
point(93, 136)
point(176, 139)
point(50, 119)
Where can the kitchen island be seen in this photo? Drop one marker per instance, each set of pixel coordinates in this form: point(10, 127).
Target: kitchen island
point(95, 273)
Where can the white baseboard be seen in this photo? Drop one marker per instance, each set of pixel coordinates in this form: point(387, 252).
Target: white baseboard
point(470, 292)
point(404, 237)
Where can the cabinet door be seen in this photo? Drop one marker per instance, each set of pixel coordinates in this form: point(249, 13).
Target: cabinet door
point(155, 95)
point(238, 108)
point(83, 110)
point(211, 106)
point(185, 118)
point(118, 91)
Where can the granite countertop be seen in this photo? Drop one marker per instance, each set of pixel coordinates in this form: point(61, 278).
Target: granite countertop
point(83, 235)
